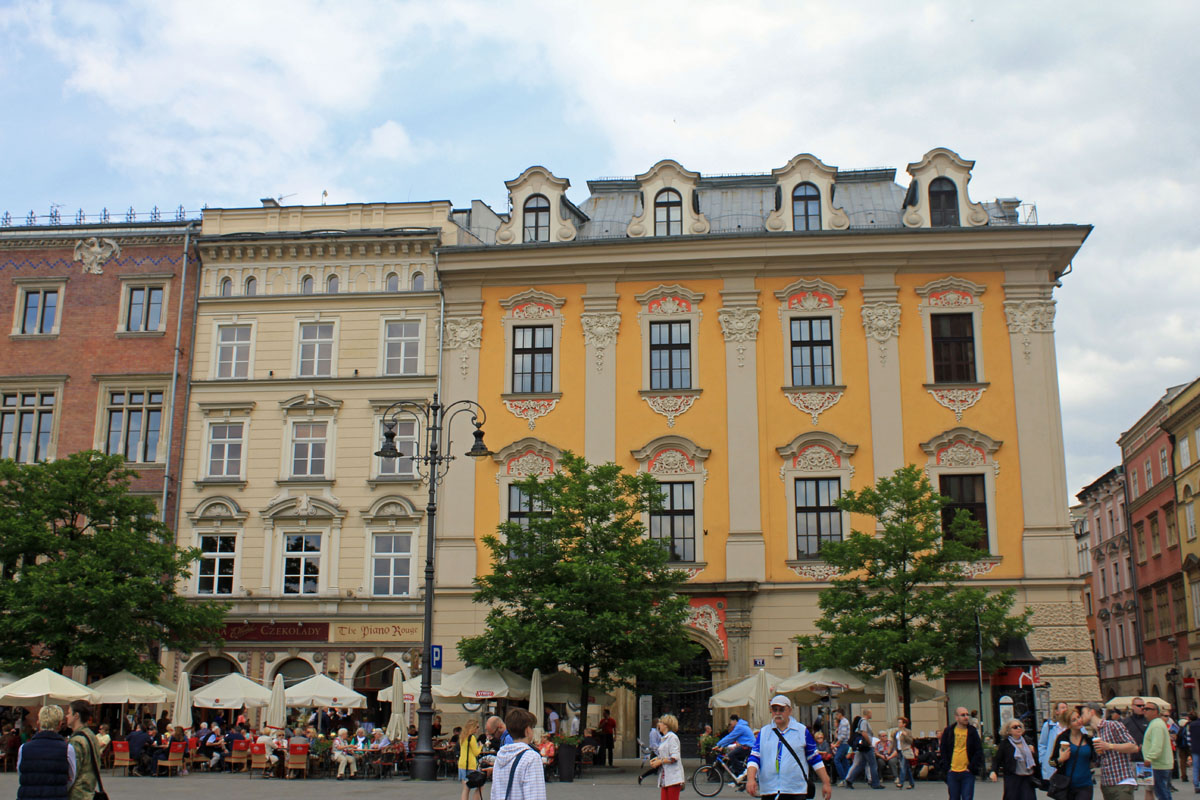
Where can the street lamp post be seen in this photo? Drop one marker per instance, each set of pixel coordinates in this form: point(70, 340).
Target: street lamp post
point(437, 418)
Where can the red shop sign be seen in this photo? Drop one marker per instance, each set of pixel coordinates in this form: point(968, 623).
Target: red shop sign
point(276, 632)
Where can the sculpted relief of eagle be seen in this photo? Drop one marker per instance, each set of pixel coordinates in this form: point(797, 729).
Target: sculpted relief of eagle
point(93, 252)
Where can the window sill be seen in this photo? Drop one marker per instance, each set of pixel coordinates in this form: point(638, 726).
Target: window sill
point(833, 387)
point(140, 334)
point(240, 483)
point(669, 392)
point(531, 396)
point(304, 482)
point(31, 337)
point(144, 465)
point(375, 483)
point(957, 385)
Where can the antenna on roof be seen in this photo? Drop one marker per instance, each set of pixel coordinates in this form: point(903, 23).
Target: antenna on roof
point(324, 194)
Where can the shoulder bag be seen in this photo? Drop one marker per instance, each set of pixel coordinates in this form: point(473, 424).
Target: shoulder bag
point(811, 791)
point(512, 771)
point(100, 793)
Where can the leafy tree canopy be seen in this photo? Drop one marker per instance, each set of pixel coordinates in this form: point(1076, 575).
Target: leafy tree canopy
point(898, 600)
point(581, 585)
point(89, 573)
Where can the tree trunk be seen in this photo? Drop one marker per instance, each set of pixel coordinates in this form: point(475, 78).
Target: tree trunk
point(906, 691)
point(584, 691)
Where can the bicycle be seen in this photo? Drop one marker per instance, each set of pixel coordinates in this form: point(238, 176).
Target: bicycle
point(709, 779)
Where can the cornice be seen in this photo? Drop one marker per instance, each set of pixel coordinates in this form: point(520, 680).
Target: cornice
point(66, 241)
point(254, 251)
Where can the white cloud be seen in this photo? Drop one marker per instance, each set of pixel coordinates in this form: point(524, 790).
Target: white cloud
point(391, 142)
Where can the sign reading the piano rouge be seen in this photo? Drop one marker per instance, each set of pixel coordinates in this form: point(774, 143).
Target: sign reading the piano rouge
point(372, 632)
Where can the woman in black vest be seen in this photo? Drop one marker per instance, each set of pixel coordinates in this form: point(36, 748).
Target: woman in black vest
point(1016, 761)
point(45, 768)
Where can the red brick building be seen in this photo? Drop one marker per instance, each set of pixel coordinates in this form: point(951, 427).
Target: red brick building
point(1150, 490)
point(99, 333)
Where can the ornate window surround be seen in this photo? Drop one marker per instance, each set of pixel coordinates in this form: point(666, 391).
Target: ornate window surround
point(34, 284)
point(308, 407)
point(964, 451)
point(672, 303)
point(387, 515)
point(672, 458)
point(941, 163)
point(159, 382)
point(216, 323)
point(532, 307)
point(302, 513)
point(378, 407)
point(809, 298)
point(146, 280)
point(806, 168)
point(219, 516)
point(520, 460)
point(668, 174)
point(314, 319)
point(537, 180)
point(956, 295)
point(223, 413)
point(815, 454)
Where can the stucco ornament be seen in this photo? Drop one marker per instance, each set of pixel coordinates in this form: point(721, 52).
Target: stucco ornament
point(974, 569)
point(533, 311)
point(531, 464)
point(961, 454)
point(813, 402)
point(671, 405)
point(1026, 317)
point(530, 410)
point(463, 333)
point(93, 252)
point(670, 305)
point(881, 321)
point(739, 324)
point(600, 333)
point(705, 618)
point(817, 571)
point(958, 400)
point(692, 572)
point(672, 462)
point(816, 458)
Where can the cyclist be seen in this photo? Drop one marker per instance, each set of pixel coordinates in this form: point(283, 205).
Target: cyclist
point(740, 741)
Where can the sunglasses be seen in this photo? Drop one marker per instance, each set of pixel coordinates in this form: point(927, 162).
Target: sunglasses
point(1017, 728)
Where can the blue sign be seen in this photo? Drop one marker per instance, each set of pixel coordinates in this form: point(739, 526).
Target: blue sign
point(436, 658)
point(760, 662)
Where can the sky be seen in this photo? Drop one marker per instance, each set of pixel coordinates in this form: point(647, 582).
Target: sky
point(1087, 109)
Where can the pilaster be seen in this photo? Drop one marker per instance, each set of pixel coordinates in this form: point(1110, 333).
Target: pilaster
point(881, 322)
point(601, 323)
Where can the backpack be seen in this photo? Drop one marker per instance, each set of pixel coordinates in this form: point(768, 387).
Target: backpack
point(856, 738)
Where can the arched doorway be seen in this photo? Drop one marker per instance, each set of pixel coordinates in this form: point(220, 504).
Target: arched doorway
point(372, 676)
point(209, 670)
point(686, 698)
point(293, 671)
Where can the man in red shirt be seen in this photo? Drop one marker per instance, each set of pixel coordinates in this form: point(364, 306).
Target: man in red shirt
point(608, 733)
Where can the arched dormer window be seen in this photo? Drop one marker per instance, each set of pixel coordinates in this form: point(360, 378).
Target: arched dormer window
point(418, 282)
point(306, 285)
point(537, 219)
point(806, 208)
point(331, 285)
point(392, 283)
point(251, 286)
point(943, 203)
point(668, 213)
point(226, 287)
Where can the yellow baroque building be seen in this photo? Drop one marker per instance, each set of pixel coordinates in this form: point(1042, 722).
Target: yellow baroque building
point(761, 343)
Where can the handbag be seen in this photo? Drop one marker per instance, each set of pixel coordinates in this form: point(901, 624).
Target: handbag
point(476, 778)
point(811, 791)
point(1059, 785)
point(100, 793)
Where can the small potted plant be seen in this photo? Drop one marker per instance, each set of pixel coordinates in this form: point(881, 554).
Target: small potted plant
point(566, 748)
point(706, 744)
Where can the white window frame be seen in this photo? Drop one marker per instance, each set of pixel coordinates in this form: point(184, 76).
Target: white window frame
point(103, 407)
point(158, 280)
point(206, 456)
point(1195, 587)
point(308, 408)
point(952, 295)
point(235, 579)
point(964, 451)
point(1189, 516)
point(1185, 452)
point(670, 304)
point(26, 285)
point(18, 388)
point(1162, 462)
point(326, 458)
point(372, 536)
point(233, 322)
point(334, 342)
point(525, 309)
point(377, 472)
point(811, 299)
point(815, 454)
point(322, 559)
point(383, 343)
point(1149, 475)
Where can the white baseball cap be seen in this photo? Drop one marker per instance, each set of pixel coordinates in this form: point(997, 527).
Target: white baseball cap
point(781, 700)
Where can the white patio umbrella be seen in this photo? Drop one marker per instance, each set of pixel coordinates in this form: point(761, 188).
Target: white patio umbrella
point(742, 693)
point(409, 690)
point(397, 725)
point(181, 714)
point(811, 687)
point(276, 707)
point(44, 687)
point(563, 687)
point(477, 683)
point(760, 705)
point(891, 697)
point(231, 691)
point(875, 690)
point(1120, 702)
point(125, 687)
point(322, 690)
point(536, 704)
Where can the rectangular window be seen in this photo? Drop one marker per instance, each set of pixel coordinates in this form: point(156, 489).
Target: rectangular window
point(392, 564)
point(1189, 518)
point(308, 449)
point(26, 423)
point(144, 308)
point(1179, 605)
point(233, 351)
point(1129, 570)
point(533, 359)
point(1103, 584)
point(1162, 463)
point(1133, 485)
point(217, 553)
point(401, 347)
point(225, 450)
point(675, 523)
point(1195, 587)
point(301, 563)
point(1185, 452)
point(1149, 476)
point(406, 443)
point(1139, 535)
point(818, 520)
point(1116, 568)
point(670, 355)
point(1155, 541)
point(1148, 619)
point(1169, 522)
point(1087, 598)
point(1163, 611)
point(134, 424)
point(965, 492)
point(812, 351)
point(316, 350)
point(40, 311)
point(953, 348)
point(1108, 643)
point(521, 508)
point(1120, 641)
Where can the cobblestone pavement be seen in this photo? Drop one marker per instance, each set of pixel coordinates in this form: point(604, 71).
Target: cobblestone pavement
point(619, 783)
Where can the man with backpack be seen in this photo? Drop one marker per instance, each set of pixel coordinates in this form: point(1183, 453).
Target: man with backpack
point(862, 744)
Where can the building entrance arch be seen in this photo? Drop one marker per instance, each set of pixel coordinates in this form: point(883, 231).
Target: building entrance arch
point(293, 671)
point(210, 669)
point(371, 677)
point(687, 698)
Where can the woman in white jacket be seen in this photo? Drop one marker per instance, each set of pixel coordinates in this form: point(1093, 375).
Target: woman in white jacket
point(670, 777)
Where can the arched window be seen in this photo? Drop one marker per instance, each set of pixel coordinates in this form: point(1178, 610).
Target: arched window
point(331, 285)
point(372, 677)
point(306, 285)
point(418, 282)
point(537, 219)
point(806, 208)
point(392, 282)
point(251, 286)
point(226, 287)
point(295, 670)
point(209, 670)
point(943, 203)
point(668, 213)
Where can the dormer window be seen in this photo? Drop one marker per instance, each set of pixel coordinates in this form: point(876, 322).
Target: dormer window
point(806, 208)
point(537, 219)
point(943, 203)
point(306, 285)
point(668, 213)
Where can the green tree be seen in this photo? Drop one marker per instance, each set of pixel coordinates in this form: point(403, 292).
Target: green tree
point(898, 600)
point(89, 573)
point(581, 585)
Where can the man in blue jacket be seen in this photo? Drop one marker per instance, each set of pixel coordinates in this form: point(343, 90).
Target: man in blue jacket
point(785, 757)
point(740, 741)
